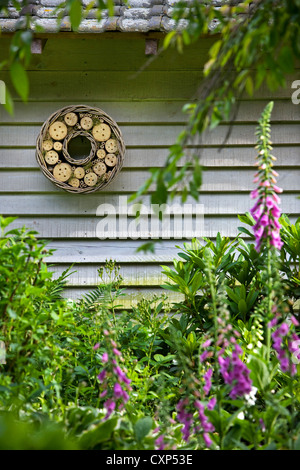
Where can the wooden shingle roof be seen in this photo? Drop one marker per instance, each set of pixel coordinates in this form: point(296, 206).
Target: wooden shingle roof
point(136, 16)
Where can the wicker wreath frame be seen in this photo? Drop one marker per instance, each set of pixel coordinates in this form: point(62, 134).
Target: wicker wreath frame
point(87, 163)
point(74, 161)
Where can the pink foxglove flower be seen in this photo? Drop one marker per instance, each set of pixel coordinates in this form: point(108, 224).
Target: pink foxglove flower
point(185, 417)
point(207, 439)
point(236, 374)
point(212, 403)
point(105, 357)
point(160, 442)
point(191, 425)
point(286, 345)
point(114, 383)
point(266, 211)
point(207, 377)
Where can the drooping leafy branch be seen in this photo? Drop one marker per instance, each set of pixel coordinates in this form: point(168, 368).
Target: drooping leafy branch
point(256, 43)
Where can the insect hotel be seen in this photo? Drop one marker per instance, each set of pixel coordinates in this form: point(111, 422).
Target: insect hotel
point(87, 173)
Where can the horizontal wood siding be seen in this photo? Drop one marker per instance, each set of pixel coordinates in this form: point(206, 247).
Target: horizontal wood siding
point(146, 100)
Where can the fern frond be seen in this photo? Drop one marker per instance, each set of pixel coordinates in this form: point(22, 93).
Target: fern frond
point(57, 286)
point(92, 300)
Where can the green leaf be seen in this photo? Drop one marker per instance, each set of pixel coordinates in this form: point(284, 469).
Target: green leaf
point(20, 79)
point(260, 76)
point(247, 232)
point(242, 306)
point(242, 292)
point(286, 60)
point(2, 64)
point(208, 66)
point(184, 194)
point(159, 357)
point(79, 370)
point(110, 6)
point(246, 219)
point(214, 50)
point(97, 433)
point(5, 221)
point(142, 427)
point(196, 282)
point(160, 195)
point(249, 86)
point(75, 14)
point(168, 39)
point(232, 295)
point(148, 247)
point(186, 37)
point(194, 190)
point(197, 174)
point(179, 44)
point(232, 437)
point(164, 359)
point(26, 37)
point(259, 373)
point(297, 443)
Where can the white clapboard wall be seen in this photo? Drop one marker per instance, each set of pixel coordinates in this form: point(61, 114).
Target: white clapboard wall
point(147, 104)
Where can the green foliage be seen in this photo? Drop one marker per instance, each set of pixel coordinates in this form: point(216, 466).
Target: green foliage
point(24, 284)
point(97, 433)
point(20, 80)
point(22, 435)
point(289, 255)
point(142, 428)
point(239, 267)
point(108, 290)
point(50, 362)
point(239, 271)
point(54, 351)
point(39, 329)
point(75, 13)
point(256, 44)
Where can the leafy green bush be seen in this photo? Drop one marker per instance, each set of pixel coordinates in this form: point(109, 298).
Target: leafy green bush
point(47, 341)
point(29, 308)
point(54, 351)
point(238, 267)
